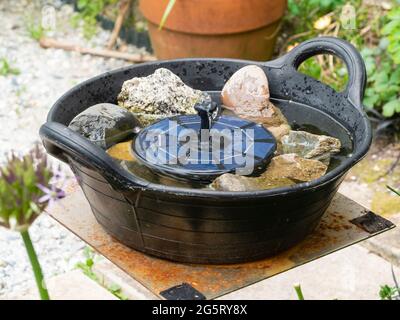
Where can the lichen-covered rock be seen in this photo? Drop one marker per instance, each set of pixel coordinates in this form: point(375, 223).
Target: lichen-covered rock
point(310, 146)
point(105, 124)
point(284, 170)
point(247, 94)
point(159, 95)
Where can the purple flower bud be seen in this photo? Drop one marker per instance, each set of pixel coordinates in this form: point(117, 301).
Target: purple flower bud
point(27, 182)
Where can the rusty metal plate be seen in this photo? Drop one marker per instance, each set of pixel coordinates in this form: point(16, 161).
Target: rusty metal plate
point(340, 227)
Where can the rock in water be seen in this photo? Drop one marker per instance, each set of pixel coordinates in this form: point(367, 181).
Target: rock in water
point(284, 170)
point(159, 95)
point(122, 151)
point(234, 182)
point(295, 168)
point(247, 94)
point(310, 146)
point(105, 124)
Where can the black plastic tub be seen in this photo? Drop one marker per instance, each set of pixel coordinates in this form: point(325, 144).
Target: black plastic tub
point(204, 226)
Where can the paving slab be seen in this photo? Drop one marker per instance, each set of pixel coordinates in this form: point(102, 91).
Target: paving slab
point(73, 285)
point(109, 275)
point(387, 245)
point(353, 273)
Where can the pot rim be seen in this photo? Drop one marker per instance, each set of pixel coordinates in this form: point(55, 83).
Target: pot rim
point(134, 182)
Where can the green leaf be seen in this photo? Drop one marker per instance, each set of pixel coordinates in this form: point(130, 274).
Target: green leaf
point(6, 69)
point(385, 292)
point(390, 27)
point(396, 55)
point(382, 77)
point(166, 14)
point(394, 14)
point(369, 101)
point(370, 65)
point(381, 88)
point(114, 287)
point(384, 99)
point(89, 262)
point(395, 77)
point(391, 107)
point(326, 3)
point(293, 7)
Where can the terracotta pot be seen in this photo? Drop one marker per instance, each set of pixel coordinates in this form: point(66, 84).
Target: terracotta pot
point(244, 29)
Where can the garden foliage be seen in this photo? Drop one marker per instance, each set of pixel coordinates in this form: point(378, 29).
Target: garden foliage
point(376, 35)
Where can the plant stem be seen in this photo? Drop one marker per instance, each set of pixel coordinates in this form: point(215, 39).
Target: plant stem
point(167, 11)
point(299, 292)
point(37, 270)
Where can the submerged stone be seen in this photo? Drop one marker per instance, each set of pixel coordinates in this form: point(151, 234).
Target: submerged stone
point(295, 168)
point(159, 95)
point(105, 124)
point(122, 151)
point(233, 182)
point(310, 146)
point(284, 170)
point(246, 94)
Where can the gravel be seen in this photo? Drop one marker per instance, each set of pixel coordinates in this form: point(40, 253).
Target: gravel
point(25, 99)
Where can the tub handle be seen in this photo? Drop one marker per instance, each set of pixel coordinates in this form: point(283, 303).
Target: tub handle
point(355, 88)
point(62, 142)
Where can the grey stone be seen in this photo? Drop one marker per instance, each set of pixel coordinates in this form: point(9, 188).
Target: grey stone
point(105, 124)
point(310, 146)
